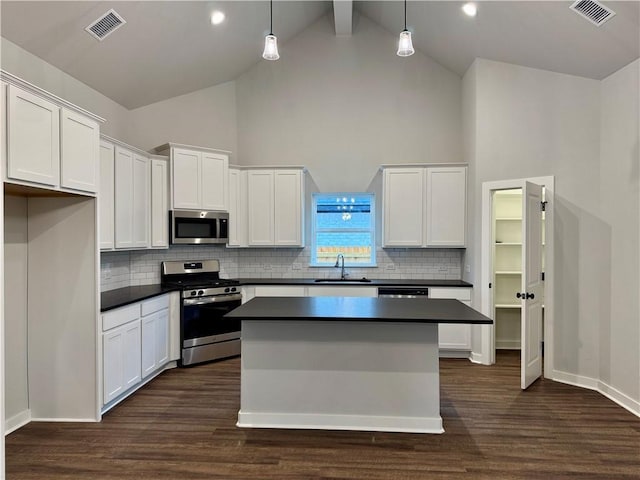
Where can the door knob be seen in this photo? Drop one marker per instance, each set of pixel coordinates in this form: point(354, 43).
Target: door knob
point(519, 295)
point(530, 295)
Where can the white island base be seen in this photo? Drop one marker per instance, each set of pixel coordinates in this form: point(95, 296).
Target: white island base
point(340, 375)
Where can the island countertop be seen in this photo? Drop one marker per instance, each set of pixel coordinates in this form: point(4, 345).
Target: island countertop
point(359, 309)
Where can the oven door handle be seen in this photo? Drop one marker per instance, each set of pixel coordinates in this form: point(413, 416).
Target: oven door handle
point(216, 299)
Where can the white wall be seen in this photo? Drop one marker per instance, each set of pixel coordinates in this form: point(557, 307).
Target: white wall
point(620, 211)
point(27, 66)
point(343, 106)
point(15, 308)
point(525, 123)
point(205, 118)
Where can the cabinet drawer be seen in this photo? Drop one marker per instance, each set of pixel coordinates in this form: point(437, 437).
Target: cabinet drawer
point(120, 316)
point(457, 293)
point(154, 304)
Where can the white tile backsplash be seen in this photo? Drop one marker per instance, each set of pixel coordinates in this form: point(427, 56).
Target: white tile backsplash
point(122, 269)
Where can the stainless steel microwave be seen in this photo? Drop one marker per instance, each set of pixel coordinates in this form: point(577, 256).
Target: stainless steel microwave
point(192, 227)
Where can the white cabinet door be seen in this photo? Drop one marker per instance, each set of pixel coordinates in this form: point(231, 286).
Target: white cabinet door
point(159, 204)
point(33, 138)
point(121, 359)
point(155, 341)
point(403, 212)
point(446, 206)
point(132, 354)
point(260, 207)
point(124, 204)
point(214, 181)
point(288, 208)
point(141, 201)
point(186, 178)
point(106, 195)
point(279, 291)
point(237, 216)
point(79, 156)
point(452, 336)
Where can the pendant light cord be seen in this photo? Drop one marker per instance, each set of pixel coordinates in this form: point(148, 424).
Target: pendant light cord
point(271, 16)
point(405, 15)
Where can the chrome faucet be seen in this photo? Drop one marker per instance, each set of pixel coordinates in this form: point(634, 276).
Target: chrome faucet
point(338, 264)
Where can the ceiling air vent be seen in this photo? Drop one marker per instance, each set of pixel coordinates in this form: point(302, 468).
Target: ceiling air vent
point(593, 11)
point(105, 25)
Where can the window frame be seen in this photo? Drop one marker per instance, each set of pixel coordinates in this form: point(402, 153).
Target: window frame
point(371, 230)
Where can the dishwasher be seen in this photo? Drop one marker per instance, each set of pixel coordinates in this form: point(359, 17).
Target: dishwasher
point(403, 292)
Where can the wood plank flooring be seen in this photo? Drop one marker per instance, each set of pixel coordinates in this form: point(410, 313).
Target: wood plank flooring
point(182, 426)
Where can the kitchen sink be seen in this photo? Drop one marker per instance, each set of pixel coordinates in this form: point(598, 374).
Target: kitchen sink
point(342, 280)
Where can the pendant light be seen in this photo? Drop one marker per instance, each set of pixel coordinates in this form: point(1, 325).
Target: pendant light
point(270, 41)
point(405, 46)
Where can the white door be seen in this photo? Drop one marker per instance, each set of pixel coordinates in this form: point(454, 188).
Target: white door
point(403, 226)
point(141, 201)
point(123, 198)
point(260, 207)
point(185, 165)
point(106, 195)
point(159, 206)
point(287, 207)
point(79, 151)
point(214, 182)
point(446, 192)
point(531, 294)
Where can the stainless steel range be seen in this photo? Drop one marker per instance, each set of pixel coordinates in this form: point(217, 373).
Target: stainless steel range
point(204, 332)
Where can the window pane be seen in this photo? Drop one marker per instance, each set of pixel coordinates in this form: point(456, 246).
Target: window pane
point(343, 223)
point(355, 246)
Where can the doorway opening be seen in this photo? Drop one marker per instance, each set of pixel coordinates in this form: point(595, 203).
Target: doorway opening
point(517, 272)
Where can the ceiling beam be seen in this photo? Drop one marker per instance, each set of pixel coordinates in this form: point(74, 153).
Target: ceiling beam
point(343, 17)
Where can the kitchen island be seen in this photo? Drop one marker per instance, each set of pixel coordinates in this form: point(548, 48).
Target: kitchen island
point(344, 363)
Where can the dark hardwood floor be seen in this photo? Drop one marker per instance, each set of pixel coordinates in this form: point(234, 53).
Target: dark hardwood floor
point(182, 426)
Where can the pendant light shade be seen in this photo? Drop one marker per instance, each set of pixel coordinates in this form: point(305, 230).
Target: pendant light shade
point(270, 41)
point(405, 45)
point(270, 48)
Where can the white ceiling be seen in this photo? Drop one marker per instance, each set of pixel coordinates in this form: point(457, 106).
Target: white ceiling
point(169, 48)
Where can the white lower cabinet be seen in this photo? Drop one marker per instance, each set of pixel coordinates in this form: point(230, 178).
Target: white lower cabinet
point(120, 359)
point(135, 343)
point(451, 336)
point(155, 340)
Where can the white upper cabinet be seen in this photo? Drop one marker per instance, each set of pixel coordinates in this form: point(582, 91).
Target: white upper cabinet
point(141, 201)
point(106, 195)
point(132, 199)
point(275, 207)
point(80, 142)
point(287, 205)
point(50, 143)
point(403, 209)
point(237, 207)
point(214, 181)
point(159, 203)
point(446, 206)
point(199, 177)
point(424, 206)
point(33, 138)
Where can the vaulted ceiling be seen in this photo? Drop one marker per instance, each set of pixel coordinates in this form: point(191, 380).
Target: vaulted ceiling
point(169, 48)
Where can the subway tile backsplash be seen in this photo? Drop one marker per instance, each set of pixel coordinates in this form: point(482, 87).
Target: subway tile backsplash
point(122, 269)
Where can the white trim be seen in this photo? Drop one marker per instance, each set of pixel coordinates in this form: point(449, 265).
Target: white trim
point(170, 145)
point(487, 352)
point(444, 353)
point(599, 386)
point(475, 358)
point(61, 419)
point(340, 422)
point(17, 421)
point(31, 88)
point(421, 165)
point(508, 345)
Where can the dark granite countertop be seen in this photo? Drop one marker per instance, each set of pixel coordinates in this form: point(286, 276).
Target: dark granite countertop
point(415, 310)
point(127, 295)
point(124, 296)
point(375, 282)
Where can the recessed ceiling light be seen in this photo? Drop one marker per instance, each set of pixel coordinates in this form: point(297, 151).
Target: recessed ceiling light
point(217, 17)
point(470, 9)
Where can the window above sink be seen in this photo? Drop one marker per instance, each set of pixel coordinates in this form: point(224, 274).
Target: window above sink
point(343, 223)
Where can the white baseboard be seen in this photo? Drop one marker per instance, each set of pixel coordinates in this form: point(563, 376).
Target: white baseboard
point(477, 358)
point(599, 386)
point(453, 353)
point(59, 419)
point(17, 421)
point(340, 422)
point(507, 344)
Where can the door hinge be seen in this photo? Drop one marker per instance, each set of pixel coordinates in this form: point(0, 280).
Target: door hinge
point(543, 206)
point(542, 276)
